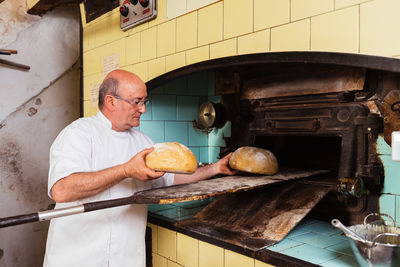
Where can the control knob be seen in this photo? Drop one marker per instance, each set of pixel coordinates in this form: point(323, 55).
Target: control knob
point(144, 3)
point(124, 10)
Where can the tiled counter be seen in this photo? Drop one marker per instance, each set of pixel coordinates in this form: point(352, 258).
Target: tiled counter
point(310, 243)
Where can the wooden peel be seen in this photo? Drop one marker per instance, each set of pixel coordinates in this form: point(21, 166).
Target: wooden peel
point(172, 194)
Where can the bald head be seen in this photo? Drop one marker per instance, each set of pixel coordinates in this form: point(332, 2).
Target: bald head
point(113, 80)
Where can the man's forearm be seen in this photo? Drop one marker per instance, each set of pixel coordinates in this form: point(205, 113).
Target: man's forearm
point(85, 184)
point(201, 173)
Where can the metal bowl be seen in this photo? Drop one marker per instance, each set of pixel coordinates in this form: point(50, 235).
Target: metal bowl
point(373, 244)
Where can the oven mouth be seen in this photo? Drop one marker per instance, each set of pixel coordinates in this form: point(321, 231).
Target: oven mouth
point(303, 152)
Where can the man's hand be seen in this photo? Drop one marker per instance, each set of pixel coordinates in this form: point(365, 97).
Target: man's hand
point(222, 166)
point(136, 167)
point(208, 171)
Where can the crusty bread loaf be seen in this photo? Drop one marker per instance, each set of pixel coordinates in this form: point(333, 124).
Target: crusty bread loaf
point(254, 160)
point(171, 157)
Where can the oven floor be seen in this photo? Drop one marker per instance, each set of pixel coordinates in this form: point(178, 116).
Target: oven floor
point(312, 241)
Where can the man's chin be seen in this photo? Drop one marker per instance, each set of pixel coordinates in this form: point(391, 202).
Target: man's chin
point(136, 122)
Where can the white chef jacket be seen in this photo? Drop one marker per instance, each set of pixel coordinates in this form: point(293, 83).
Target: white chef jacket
point(111, 237)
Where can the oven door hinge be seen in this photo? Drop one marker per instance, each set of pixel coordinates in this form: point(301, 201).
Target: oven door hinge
point(351, 187)
point(373, 123)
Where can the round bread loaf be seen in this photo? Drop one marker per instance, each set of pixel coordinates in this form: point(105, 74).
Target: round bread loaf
point(171, 157)
point(254, 160)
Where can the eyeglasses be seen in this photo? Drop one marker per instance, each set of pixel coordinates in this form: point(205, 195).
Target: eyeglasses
point(135, 103)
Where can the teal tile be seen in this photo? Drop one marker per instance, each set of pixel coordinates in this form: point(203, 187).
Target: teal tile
point(307, 221)
point(195, 203)
point(214, 99)
point(324, 228)
point(157, 90)
point(226, 129)
point(189, 212)
point(164, 107)
point(397, 211)
point(284, 244)
point(213, 154)
point(172, 214)
point(297, 231)
point(204, 155)
point(176, 87)
point(215, 138)
point(392, 175)
point(154, 129)
point(311, 254)
point(176, 131)
point(196, 152)
point(382, 147)
point(387, 205)
point(343, 247)
point(197, 83)
point(317, 240)
point(159, 207)
point(179, 213)
point(197, 138)
point(148, 115)
point(341, 236)
point(211, 83)
point(202, 99)
point(188, 108)
point(342, 261)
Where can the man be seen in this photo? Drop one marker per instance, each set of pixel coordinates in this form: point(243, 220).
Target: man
point(91, 160)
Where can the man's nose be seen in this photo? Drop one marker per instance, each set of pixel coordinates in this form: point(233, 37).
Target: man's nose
point(142, 109)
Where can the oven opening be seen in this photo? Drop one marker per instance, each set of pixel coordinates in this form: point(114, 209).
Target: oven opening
point(304, 152)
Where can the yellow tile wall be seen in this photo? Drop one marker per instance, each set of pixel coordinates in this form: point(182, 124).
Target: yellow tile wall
point(270, 13)
point(187, 251)
point(186, 32)
point(291, 37)
point(257, 42)
point(238, 18)
point(166, 245)
point(336, 31)
point(177, 250)
point(133, 49)
point(301, 9)
point(233, 259)
point(175, 8)
point(210, 24)
point(175, 61)
point(346, 3)
point(166, 38)
point(210, 255)
point(379, 28)
point(223, 49)
point(197, 54)
point(148, 44)
point(214, 29)
point(222, 28)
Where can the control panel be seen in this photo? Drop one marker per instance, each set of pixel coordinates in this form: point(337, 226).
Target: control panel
point(135, 12)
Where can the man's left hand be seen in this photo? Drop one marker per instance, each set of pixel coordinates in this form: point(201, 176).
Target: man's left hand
point(222, 166)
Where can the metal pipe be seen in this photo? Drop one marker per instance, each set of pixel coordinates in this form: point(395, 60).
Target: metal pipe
point(51, 214)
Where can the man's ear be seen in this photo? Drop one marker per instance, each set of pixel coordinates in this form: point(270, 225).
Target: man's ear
point(109, 102)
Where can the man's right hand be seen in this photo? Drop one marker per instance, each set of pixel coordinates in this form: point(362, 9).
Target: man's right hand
point(136, 167)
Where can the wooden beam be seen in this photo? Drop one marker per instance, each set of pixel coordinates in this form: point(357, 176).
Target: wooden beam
point(40, 7)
